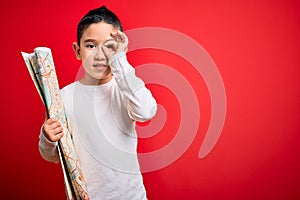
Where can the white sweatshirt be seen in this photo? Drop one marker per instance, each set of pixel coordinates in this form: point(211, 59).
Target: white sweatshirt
point(102, 121)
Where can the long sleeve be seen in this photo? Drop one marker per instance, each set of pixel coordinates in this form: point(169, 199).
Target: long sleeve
point(48, 149)
point(141, 104)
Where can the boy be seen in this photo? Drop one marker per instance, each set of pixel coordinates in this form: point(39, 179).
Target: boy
point(101, 109)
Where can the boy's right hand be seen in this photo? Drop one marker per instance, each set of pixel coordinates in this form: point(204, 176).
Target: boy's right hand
point(52, 130)
point(118, 43)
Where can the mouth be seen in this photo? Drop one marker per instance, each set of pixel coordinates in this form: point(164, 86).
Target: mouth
point(99, 66)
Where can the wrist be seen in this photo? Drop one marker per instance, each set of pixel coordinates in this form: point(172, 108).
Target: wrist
point(116, 56)
point(119, 64)
point(44, 138)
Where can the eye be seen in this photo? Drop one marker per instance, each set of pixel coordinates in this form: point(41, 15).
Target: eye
point(110, 46)
point(91, 46)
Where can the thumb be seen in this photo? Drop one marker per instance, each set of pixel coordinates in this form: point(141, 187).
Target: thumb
point(109, 48)
point(107, 52)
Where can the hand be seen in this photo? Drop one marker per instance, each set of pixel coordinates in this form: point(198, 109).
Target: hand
point(118, 43)
point(52, 130)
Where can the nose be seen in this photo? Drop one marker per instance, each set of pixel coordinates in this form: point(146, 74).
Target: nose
point(99, 54)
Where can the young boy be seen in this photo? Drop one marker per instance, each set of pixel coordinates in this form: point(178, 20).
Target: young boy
point(102, 109)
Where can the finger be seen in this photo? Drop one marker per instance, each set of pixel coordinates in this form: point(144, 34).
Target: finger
point(123, 39)
point(106, 51)
point(54, 131)
point(51, 121)
point(53, 126)
point(117, 35)
point(56, 137)
point(58, 130)
point(110, 44)
point(59, 135)
point(114, 33)
point(109, 47)
point(122, 36)
point(55, 134)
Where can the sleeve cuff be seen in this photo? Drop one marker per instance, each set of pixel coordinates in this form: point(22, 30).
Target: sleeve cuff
point(119, 64)
point(44, 140)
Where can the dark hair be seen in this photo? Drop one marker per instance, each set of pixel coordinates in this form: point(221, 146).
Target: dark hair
point(101, 14)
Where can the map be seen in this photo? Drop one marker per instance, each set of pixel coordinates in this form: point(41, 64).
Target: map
point(42, 71)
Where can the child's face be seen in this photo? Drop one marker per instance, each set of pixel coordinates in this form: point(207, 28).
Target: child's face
point(90, 52)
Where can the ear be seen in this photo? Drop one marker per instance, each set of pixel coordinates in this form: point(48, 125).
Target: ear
point(76, 49)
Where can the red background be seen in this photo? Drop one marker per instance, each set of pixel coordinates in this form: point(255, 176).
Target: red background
point(256, 47)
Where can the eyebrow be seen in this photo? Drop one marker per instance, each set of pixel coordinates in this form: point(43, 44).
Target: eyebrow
point(111, 39)
point(89, 40)
point(94, 41)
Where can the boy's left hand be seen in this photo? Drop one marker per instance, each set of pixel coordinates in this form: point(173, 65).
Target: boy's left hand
point(118, 43)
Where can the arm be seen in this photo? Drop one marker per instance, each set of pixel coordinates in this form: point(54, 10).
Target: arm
point(141, 104)
point(50, 133)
